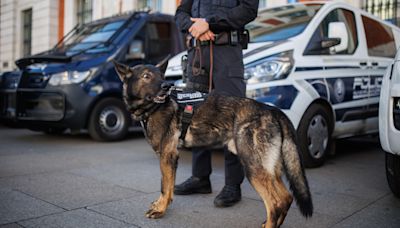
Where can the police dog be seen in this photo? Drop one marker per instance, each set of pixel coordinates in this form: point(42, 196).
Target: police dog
point(261, 136)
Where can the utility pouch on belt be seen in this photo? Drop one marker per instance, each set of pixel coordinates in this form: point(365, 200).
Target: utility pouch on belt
point(232, 38)
point(244, 38)
point(199, 82)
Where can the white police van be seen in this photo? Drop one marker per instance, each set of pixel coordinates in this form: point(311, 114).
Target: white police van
point(322, 63)
point(389, 123)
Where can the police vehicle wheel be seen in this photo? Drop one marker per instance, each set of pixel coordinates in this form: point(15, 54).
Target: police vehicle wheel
point(314, 134)
point(109, 120)
point(393, 173)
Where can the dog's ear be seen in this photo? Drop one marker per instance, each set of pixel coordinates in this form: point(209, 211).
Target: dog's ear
point(121, 69)
point(163, 64)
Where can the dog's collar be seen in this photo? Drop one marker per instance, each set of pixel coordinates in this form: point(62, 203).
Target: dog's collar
point(144, 114)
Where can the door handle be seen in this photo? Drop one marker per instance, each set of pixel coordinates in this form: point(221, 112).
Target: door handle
point(375, 64)
point(391, 72)
point(363, 63)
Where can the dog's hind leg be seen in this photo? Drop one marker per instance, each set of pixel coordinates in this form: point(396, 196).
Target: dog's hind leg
point(168, 164)
point(273, 192)
point(286, 200)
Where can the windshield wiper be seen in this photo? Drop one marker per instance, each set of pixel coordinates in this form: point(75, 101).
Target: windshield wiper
point(74, 29)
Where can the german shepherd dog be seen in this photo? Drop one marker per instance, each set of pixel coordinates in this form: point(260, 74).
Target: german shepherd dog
point(261, 136)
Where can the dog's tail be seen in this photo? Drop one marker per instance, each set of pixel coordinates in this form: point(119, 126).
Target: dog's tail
point(294, 168)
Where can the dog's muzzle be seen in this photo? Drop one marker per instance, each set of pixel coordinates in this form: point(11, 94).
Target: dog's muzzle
point(165, 91)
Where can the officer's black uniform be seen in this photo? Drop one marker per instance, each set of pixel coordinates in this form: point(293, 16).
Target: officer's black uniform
point(223, 16)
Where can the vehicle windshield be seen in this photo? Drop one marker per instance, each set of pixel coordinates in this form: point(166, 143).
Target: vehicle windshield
point(90, 38)
point(281, 23)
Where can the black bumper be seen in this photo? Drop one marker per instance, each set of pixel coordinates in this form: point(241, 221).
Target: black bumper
point(8, 87)
point(7, 105)
point(67, 107)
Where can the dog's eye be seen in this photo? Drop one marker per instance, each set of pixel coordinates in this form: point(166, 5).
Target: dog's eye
point(146, 76)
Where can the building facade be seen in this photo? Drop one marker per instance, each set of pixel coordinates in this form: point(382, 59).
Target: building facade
point(388, 10)
point(32, 26)
point(26, 27)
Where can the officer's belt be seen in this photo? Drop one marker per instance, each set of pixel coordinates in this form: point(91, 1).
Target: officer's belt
point(223, 38)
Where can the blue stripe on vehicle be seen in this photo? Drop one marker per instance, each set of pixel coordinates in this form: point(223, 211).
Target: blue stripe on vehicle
point(280, 96)
point(298, 69)
point(341, 67)
point(307, 68)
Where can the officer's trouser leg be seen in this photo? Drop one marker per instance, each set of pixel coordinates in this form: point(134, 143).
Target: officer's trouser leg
point(234, 174)
point(201, 163)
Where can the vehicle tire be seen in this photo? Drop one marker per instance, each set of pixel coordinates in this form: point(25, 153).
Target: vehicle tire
point(393, 173)
point(314, 135)
point(109, 120)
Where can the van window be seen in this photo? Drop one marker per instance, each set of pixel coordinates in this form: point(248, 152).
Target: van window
point(321, 33)
point(281, 23)
point(158, 41)
point(92, 38)
point(380, 40)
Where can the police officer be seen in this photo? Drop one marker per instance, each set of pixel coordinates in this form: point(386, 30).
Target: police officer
point(220, 24)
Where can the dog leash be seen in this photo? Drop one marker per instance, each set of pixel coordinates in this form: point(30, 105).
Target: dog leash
point(198, 55)
point(211, 67)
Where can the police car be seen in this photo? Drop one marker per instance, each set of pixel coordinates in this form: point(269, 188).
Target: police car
point(322, 63)
point(389, 123)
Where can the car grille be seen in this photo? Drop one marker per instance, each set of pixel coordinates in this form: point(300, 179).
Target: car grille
point(33, 80)
point(44, 106)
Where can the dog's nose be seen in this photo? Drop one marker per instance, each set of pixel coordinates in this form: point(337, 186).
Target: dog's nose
point(166, 85)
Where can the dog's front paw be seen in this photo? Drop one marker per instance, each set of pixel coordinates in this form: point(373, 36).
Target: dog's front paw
point(154, 213)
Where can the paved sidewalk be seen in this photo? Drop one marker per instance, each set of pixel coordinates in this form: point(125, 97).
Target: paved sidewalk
point(72, 181)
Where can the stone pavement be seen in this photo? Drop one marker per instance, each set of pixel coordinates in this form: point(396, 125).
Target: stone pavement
point(72, 181)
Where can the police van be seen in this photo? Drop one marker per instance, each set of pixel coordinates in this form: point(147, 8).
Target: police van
point(74, 85)
point(321, 63)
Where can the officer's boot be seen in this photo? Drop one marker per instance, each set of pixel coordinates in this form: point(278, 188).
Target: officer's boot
point(193, 185)
point(229, 196)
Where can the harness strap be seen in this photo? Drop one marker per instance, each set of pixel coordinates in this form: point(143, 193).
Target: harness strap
point(144, 126)
point(186, 119)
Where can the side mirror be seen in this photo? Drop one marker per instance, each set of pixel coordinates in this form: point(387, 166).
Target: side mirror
point(337, 30)
point(136, 50)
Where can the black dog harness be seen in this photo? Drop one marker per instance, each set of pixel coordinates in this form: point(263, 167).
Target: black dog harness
point(188, 102)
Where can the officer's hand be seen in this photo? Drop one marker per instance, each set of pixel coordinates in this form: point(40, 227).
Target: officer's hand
point(199, 27)
point(207, 36)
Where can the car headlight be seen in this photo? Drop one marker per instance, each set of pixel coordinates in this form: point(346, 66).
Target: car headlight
point(69, 77)
point(271, 68)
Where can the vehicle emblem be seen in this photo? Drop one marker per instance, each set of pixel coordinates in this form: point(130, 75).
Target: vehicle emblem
point(339, 90)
